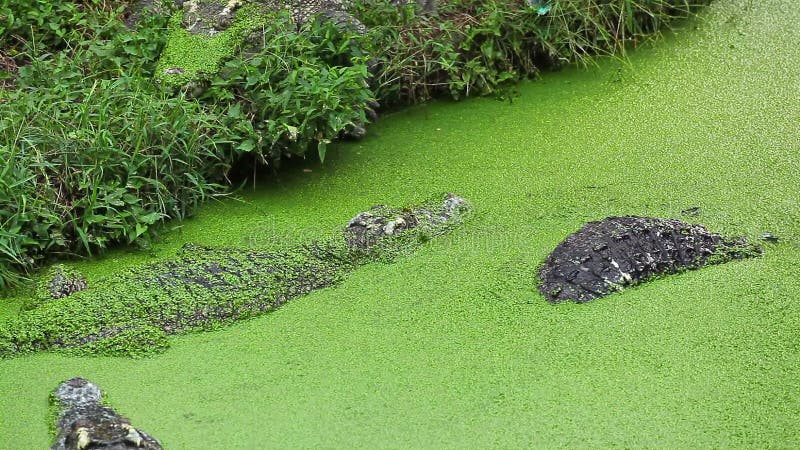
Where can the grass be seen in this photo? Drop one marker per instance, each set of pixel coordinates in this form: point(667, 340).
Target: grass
point(453, 347)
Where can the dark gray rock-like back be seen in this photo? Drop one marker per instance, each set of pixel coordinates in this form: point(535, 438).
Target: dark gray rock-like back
point(84, 423)
point(61, 282)
point(606, 256)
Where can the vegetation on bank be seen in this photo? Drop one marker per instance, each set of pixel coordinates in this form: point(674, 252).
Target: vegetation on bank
point(98, 152)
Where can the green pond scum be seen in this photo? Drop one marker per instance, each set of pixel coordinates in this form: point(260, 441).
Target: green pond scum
point(452, 346)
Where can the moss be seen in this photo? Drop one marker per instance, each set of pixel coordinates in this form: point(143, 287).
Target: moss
point(198, 56)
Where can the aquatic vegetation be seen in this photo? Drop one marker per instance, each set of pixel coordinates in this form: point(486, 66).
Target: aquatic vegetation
point(453, 346)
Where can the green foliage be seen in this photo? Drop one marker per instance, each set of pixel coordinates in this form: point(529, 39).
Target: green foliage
point(98, 153)
point(95, 153)
point(576, 29)
point(475, 47)
point(299, 90)
point(47, 24)
point(83, 175)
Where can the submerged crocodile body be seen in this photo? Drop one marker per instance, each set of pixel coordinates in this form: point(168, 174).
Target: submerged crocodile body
point(132, 313)
point(606, 256)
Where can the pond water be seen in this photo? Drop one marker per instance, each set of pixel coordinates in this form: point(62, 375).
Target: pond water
point(453, 346)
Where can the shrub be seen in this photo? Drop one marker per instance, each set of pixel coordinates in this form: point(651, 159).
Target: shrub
point(95, 154)
point(474, 47)
point(299, 90)
point(96, 165)
point(49, 24)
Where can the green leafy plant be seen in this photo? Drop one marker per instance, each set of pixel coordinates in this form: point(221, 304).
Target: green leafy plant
point(300, 90)
point(96, 154)
point(49, 24)
point(477, 47)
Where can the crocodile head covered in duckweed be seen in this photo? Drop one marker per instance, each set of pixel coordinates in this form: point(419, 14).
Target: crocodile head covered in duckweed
point(133, 312)
point(203, 35)
point(206, 33)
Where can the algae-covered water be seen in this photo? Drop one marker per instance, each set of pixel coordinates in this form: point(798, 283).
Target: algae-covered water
point(453, 346)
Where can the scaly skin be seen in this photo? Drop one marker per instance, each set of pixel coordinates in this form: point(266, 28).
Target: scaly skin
point(606, 256)
point(84, 422)
point(132, 313)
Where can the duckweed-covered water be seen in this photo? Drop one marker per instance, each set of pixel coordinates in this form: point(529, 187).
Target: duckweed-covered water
point(453, 346)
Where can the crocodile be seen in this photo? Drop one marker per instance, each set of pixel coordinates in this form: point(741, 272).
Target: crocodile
point(84, 422)
point(204, 33)
point(606, 256)
point(132, 312)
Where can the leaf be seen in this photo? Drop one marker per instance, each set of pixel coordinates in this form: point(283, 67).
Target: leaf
point(140, 229)
point(84, 240)
point(293, 132)
point(541, 8)
point(235, 111)
point(150, 218)
point(246, 146)
point(131, 50)
point(95, 218)
point(130, 199)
